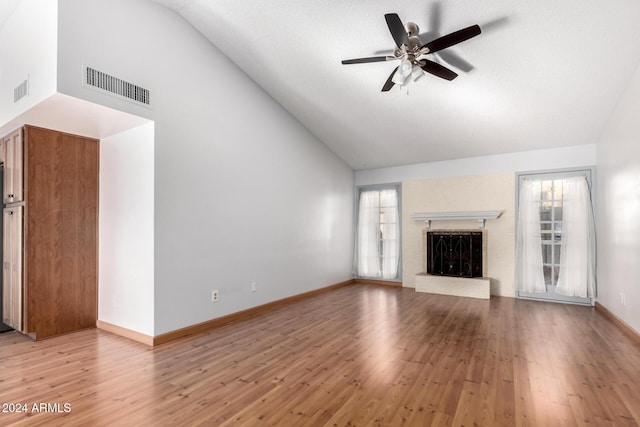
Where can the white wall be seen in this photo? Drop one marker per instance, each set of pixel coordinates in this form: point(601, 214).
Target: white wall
point(618, 208)
point(243, 193)
point(558, 158)
point(28, 49)
point(126, 269)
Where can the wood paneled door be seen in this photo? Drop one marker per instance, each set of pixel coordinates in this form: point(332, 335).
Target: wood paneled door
point(61, 232)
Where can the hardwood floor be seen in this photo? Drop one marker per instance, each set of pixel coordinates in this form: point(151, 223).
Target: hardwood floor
point(359, 355)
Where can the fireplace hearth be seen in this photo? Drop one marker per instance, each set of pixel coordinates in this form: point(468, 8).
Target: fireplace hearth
point(454, 253)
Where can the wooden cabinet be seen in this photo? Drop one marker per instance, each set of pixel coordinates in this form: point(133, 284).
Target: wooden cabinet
point(13, 167)
point(12, 299)
point(59, 230)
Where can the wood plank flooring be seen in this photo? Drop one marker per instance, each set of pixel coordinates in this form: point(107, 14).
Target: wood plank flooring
point(360, 355)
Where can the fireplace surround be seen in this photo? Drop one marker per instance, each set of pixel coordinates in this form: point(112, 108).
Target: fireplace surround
point(465, 202)
point(454, 261)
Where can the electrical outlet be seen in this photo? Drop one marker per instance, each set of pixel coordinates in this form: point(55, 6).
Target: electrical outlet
point(253, 287)
point(623, 299)
point(215, 295)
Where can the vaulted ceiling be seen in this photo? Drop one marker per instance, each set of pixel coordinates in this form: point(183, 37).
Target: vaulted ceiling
point(542, 74)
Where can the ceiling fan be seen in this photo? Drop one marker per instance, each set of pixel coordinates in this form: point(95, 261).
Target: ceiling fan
point(410, 52)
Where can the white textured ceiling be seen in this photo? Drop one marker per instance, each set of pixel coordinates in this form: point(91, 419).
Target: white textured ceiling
point(542, 74)
point(7, 7)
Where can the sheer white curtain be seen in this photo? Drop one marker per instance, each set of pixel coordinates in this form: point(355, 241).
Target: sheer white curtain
point(577, 248)
point(529, 271)
point(389, 229)
point(377, 241)
point(367, 258)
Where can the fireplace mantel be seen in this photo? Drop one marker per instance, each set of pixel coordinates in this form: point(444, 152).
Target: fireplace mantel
point(481, 217)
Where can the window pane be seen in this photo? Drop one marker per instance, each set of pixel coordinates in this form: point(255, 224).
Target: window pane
point(547, 275)
point(556, 254)
point(547, 254)
point(557, 212)
point(545, 191)
point(557, 189)
point(388, 198)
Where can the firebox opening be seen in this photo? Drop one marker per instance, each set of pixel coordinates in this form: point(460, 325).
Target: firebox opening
point(454, 253)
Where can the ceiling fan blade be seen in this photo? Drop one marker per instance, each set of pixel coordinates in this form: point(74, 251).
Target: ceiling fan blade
point(452, 38)
point(438, 70)
point(366, 60)
point(389, 83)
point(398, 32)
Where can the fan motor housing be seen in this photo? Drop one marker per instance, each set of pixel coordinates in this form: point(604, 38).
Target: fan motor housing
point(412, 29)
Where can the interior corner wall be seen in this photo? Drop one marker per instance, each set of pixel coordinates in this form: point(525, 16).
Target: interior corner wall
point(618, 208)
point(28, 52)
point(242, 192)
point(126, 264)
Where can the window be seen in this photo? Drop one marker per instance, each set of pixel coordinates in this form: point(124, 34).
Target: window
point(378, 233)
point(555, 256)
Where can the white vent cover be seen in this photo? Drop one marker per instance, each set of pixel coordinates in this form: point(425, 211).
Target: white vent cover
point(21, 91)
point(113, 85)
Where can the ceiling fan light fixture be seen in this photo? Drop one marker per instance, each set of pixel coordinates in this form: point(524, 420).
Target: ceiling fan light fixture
point(416, 73)
point(404, 71)
point(398, 79)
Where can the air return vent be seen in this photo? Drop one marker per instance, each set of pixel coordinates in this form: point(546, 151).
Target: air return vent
point(21, 91)
point(116, 86)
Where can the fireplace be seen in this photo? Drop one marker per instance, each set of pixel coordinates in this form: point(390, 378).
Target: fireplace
point(454, 261)
point(454, 253)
